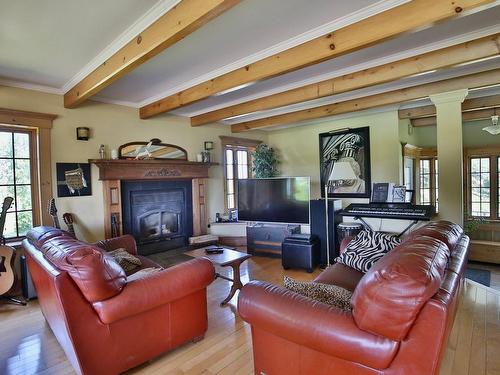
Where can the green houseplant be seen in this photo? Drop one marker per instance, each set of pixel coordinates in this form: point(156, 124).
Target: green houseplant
point(265, 161)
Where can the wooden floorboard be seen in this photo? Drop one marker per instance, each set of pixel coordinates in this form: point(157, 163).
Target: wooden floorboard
point(27, 345)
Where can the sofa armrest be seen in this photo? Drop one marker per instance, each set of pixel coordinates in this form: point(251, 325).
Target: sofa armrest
point(126, 242)
point(157, 289)
point(312, 324)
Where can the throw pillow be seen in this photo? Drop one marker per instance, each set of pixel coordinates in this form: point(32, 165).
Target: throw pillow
point(366, 249)
point(126, 260)
point(143, 273)
point(326, 293)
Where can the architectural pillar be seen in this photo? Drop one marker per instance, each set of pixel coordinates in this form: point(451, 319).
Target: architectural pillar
point(450, 153)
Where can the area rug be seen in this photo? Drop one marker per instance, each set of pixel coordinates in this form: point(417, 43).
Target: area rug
point(478, 275)
point(167, 259)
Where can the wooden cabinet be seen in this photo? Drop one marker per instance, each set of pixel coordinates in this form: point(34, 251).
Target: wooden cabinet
point(266, 240)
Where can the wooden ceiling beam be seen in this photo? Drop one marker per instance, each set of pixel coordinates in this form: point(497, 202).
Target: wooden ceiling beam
point(467, 105)
point(445, 57)
point(477, 80)
point(177, 23)
point(372, 30)
point(472, 115)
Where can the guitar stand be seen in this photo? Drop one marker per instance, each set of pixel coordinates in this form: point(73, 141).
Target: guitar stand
point(15, 301)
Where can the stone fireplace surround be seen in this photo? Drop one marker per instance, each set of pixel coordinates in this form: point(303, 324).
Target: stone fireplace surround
point(113, 172)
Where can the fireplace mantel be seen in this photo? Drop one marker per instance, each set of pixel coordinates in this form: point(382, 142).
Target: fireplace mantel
point(124, 169)
point(112, 172)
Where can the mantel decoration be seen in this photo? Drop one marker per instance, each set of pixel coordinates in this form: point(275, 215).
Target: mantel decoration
point(154, 149)
point(73, 179)
point(265, 161)
point(345, 163)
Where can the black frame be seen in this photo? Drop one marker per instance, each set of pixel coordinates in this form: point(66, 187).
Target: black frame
point(62, 189)
point(333, 141)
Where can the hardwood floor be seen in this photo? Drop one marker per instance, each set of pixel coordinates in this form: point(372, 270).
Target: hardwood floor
point(27, 345)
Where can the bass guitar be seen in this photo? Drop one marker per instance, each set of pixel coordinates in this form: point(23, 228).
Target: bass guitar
point(52, 209)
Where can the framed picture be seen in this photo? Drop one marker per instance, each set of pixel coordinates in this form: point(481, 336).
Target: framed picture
point(73, 179)
point(345, 163)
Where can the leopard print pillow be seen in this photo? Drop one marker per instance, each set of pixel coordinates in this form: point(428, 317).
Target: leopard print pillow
point(126, 260)
point(329, 294)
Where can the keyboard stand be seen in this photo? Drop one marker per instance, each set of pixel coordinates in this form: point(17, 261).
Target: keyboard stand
point(367, 226)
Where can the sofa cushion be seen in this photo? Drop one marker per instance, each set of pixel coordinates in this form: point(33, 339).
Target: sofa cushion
point(142, 273)
point(442, 230)
point(39, 235)
point(366, 249)
point(97, 275)
point(326, 293)
point(341, 275)
point(390, 295)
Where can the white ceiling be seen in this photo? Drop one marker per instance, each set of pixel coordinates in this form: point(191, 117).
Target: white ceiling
point(50, 45)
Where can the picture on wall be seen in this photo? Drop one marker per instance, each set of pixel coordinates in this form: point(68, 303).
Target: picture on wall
point(345, 163)
point(73, 179)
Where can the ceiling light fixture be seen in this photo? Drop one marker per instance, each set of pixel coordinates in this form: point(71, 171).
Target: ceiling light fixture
point(495, 128)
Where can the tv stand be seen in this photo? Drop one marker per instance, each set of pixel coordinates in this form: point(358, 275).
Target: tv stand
point(266, 239)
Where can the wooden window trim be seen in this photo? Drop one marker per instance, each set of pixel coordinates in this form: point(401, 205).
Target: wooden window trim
point(235, 144)
point(42, 123)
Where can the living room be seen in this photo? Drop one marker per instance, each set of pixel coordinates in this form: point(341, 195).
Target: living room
point(163, 173)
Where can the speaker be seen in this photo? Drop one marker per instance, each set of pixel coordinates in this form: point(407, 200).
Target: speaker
point(318, 226)
point(28, 287)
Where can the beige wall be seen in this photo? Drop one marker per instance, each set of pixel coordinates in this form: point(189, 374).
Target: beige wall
point(113, 125)
point(299, 147)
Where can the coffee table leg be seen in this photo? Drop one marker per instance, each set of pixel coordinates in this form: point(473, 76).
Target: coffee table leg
point(236, 283)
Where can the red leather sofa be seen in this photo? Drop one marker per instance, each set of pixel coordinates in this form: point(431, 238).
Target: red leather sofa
point(403, 309)
point(104, 324)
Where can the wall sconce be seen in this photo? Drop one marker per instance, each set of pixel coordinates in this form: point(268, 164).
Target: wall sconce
point(82, 133)
point(209, 145)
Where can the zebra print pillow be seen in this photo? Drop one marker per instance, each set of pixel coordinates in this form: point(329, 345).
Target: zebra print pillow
point(366, 249)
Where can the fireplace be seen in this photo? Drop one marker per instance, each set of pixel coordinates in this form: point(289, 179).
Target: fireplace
point(159, 214)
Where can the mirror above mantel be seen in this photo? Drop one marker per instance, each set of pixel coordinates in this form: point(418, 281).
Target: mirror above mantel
point(154, 149)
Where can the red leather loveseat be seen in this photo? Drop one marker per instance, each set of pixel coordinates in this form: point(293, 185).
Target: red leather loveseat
point(402, 313)
point(105, 324)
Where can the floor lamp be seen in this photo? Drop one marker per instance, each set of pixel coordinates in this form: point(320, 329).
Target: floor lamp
point(341, 171)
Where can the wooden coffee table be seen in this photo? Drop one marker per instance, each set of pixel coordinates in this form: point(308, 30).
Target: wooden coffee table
point(229, 258)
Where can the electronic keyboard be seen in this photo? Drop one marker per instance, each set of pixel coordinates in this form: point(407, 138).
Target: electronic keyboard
point(400, 211)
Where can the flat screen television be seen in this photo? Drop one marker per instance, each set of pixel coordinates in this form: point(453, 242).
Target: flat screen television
point(275, 200)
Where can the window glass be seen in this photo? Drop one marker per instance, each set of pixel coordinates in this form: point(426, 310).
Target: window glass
point(480, 186)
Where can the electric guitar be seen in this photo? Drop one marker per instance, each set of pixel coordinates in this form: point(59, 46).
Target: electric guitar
point(7, 278)
point(52, 209)
point(7, 202)
point(68, 220)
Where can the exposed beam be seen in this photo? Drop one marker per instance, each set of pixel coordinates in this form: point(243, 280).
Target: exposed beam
point(403, 18)
point(477, 80)
point(177, 23)
point(474, 115)
point(468, 104)
point(445, 57)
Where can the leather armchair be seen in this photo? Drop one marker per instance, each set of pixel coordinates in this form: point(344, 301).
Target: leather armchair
point(402, 313)
point(105, 324)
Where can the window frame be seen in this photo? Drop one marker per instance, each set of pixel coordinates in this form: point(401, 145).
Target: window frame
point(34, 178)
point(493, 154)
point(236, 144)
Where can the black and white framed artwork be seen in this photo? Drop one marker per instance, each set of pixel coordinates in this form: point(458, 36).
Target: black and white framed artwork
point(73, 179)
point(345, 163)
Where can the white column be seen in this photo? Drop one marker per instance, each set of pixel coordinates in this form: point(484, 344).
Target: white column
point(450, 153)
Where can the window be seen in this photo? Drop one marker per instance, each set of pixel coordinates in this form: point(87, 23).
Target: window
point(237, 165)
point(428, 182)
point(16, 179)
point(480, 186)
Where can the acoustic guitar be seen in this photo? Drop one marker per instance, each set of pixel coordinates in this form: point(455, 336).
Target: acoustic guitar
point(52, 209)
point(68, 220)
point(7, 202)
point(7, 277)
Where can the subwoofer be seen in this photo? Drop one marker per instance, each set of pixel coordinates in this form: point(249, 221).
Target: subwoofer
point(318, 226)
point(28, 287)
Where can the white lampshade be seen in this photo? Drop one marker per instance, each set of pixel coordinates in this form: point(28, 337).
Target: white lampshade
point(342, 170)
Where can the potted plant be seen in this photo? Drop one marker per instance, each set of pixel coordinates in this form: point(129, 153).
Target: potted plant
point(265, 162)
